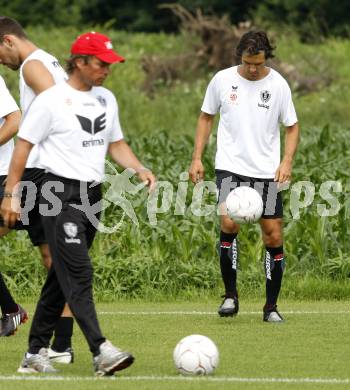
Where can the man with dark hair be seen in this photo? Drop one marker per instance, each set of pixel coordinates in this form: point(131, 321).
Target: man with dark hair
point(253, 100)
point(254, 42)
point(12, 27)
point(38, 71)
point(76, 123)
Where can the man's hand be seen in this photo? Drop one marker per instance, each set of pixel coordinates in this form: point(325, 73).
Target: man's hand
point(196, 171)
point(284, 171)
point(10, 210)
point(146, 176)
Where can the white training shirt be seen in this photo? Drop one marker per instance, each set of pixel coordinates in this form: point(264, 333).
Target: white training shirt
point(7, 106)
point(248, 139)
point(73, 129)
point(27, 95)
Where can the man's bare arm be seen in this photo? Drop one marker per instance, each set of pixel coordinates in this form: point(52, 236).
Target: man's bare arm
point(284, 171)
point(10, 127)
point(204, 127)
point(37, 76)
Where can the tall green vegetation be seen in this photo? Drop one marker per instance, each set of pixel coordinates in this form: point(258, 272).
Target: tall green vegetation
point(178, 256)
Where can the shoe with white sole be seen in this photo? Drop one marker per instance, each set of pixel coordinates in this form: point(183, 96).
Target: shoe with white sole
point(36, 363)
point(272, 315)
point(65, 357)
point(229, 307)
point(10, 322)
point(111, 359)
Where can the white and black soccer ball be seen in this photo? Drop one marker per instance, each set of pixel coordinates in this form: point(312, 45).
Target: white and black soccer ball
point(196, 355)
point(244, 205)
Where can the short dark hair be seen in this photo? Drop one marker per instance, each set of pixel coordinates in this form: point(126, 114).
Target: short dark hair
point(254, 42)
point(71, 61)
point(11, 26)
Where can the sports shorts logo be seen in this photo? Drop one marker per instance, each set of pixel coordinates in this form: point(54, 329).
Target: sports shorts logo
point(71, 230)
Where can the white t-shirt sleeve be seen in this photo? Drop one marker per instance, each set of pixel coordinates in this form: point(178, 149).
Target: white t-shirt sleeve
point(211, 103)
point(37, 122)
point(288, 116)
point(116, 133)
point(7, 102)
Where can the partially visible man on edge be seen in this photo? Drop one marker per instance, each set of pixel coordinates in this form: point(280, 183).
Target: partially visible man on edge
point(38, 71)
point(10, 116)
point(253, 100)
point(64, 118)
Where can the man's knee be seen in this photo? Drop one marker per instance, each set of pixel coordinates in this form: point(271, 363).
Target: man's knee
point(227, 225)
point(272, 232)
point(273, 239)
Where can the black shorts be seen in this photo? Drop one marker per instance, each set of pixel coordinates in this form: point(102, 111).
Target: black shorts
point(72, 217)
point(30, 197)
point(272, 200)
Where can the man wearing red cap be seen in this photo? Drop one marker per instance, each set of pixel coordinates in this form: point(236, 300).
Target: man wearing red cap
point(76, 123)
point(38, 71)
point(98, 45)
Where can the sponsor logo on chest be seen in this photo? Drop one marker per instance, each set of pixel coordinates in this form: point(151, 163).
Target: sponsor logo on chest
point(233, 95)
point(265, 96)
point(92, 127)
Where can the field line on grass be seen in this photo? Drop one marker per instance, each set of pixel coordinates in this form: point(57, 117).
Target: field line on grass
point(331, 381)
point(158, 313)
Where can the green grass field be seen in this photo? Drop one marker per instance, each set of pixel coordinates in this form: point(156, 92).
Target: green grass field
point(310, 350)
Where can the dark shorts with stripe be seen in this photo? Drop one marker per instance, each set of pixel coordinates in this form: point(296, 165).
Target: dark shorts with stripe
point(272, 200)
point(33, 178)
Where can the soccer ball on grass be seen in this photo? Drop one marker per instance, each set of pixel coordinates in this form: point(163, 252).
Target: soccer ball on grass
point(196, 355)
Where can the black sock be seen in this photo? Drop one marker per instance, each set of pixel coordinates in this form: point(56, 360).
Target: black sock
point(228, 262)
point(7, 304)
point(274, 266)
point(63, 334)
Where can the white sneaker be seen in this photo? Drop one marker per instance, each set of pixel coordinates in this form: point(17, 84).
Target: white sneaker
point(272, 315)
point(36, 363)
point(229, 307)
point(65, 357)
point(111, 359)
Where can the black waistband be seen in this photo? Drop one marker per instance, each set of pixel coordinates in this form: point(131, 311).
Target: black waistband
point(50, 176)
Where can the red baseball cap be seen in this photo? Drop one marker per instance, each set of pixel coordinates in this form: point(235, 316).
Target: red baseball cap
point(96, 44)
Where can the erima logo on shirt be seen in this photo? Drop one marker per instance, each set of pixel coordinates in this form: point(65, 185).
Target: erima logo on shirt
point(56, 64)
point(92, 128)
